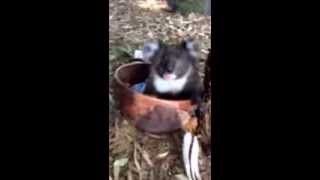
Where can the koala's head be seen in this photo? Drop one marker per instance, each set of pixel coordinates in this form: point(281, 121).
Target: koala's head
point(171, 61)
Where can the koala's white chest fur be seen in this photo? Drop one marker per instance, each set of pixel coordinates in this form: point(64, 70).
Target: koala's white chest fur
point(170, 86)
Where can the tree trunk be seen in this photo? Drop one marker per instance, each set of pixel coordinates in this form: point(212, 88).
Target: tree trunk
point(207, 7)
point(207, 77)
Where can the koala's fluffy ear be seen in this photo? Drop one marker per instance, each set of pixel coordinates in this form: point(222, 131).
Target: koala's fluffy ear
point(149, 50)
point(191, 46)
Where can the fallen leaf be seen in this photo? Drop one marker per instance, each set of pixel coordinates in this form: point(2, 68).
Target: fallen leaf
point(121, 162)
point(117, 165)
point(162, 155)
point(181, 177)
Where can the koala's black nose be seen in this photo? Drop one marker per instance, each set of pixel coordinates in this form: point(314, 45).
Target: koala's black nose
point(170, 68)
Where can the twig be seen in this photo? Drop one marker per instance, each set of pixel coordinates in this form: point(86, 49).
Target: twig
point(145, 156)
point(130, 175)
point(135, 158)
point(152, 175)
point(136, 162)
point(116, 128)
point(155, 136)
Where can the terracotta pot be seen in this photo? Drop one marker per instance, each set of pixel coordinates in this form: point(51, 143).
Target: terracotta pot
point(148, 113)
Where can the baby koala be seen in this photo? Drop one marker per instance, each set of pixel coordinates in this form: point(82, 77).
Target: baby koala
point(174, 72)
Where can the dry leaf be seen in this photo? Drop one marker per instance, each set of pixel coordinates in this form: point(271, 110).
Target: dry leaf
point(180, 177)
point(117, 165)
point(162, 155)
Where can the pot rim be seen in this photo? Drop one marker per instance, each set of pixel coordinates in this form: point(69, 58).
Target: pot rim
point(120, 82)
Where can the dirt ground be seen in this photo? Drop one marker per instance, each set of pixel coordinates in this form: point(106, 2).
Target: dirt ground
point(133, 155)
